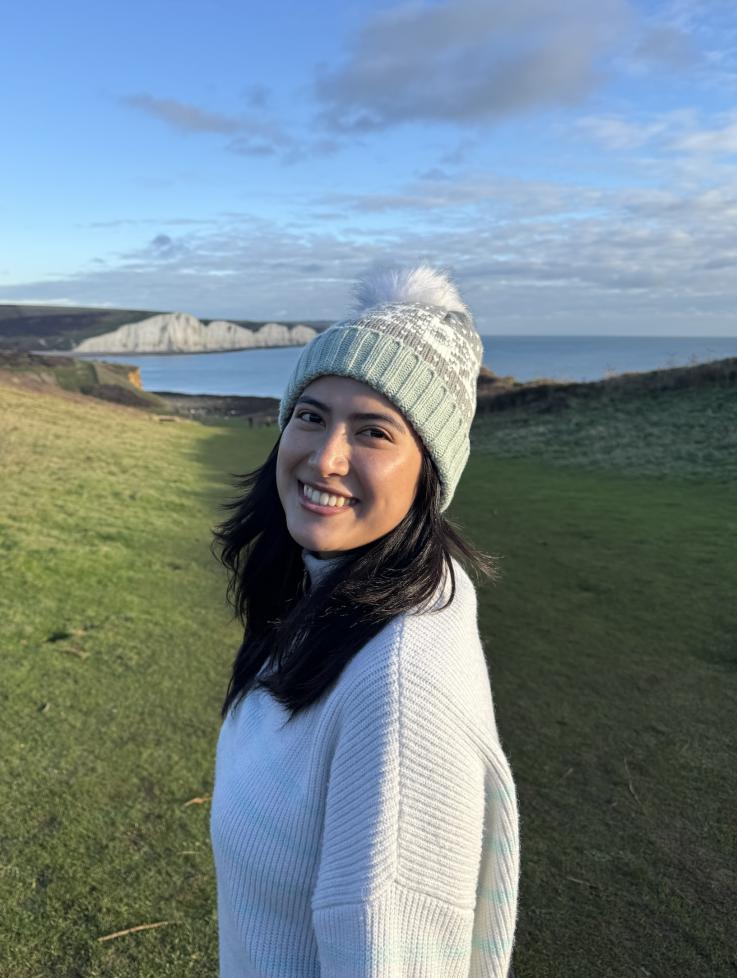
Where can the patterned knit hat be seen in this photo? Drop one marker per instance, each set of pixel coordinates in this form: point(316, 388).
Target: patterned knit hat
point(413, 340)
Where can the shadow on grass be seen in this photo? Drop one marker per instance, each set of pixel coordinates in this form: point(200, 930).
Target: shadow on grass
point(232, 448)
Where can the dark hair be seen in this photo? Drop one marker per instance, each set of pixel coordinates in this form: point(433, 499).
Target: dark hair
point(310, 635)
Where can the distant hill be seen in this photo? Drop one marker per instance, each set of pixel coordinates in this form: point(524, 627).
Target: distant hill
point(32, 327)
point(495, 393)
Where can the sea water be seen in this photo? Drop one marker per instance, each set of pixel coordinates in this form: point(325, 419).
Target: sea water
point(264, 373)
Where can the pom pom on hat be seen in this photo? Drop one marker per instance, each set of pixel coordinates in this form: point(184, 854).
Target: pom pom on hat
point(420, 284)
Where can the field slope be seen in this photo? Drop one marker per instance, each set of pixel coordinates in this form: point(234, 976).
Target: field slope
point(611, 640)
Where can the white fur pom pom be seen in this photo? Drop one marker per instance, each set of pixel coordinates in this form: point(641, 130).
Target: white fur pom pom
point(419, 284)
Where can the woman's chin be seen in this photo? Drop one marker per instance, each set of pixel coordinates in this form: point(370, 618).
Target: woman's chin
point(319, 539)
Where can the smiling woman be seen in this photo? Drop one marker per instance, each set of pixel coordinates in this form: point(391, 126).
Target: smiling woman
point(347, 453)
point(361, 690)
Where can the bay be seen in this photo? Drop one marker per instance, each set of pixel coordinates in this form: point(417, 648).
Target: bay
point(264, 372)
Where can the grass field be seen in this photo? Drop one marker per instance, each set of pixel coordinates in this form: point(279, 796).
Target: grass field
point(611, 638)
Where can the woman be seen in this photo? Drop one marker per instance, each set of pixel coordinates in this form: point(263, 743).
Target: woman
point(364, 816)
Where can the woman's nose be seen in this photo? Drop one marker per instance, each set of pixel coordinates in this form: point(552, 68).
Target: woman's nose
point(332, 454)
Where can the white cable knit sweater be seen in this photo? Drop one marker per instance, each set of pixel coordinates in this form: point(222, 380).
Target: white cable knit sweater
point(377, 835)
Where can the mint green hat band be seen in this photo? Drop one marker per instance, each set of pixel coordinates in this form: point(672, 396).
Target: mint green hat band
point(424, 358)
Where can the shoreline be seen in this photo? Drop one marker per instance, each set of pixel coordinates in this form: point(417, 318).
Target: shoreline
point(494, 393)
point(121, 382)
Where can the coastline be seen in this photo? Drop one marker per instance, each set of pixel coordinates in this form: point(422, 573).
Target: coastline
point(120, 382)
point(494, 393)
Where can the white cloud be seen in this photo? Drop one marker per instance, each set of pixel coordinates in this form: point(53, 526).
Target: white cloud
point(469, 61)
point(620, 133)
point(675, 135)
point(710, 142)
point(528, 256)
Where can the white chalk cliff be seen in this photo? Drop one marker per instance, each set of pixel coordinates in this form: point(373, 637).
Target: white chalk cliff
point(178, 332)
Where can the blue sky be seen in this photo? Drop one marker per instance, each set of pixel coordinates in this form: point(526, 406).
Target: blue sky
point(572, 164)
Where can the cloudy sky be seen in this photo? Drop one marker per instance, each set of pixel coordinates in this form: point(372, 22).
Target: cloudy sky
point(571, 163)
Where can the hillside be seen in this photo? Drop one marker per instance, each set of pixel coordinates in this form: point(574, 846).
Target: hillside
point(496, 393)
point(679, 423)
point(33, 327)
point(117, 382)
point(610, 644)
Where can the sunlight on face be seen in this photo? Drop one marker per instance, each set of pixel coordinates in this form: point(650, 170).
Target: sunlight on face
point(362, 472)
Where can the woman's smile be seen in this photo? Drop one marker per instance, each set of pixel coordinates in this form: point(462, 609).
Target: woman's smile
point(323, 503)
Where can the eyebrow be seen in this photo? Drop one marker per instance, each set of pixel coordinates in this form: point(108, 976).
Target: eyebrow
point(359, 416)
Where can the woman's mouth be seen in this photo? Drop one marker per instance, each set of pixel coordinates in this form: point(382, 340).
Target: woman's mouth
point(327, 504)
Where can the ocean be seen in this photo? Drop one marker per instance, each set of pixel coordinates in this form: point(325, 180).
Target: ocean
point(264, 373)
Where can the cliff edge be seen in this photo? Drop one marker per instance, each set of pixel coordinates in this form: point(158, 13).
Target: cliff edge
point(180, 332)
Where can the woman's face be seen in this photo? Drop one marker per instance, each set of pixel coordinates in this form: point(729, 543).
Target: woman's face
point(347, 444)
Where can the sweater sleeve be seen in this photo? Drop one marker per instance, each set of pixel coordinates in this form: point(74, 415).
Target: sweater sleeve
point(417, 871)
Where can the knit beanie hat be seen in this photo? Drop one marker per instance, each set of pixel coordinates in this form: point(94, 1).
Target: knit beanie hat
point(412, 339)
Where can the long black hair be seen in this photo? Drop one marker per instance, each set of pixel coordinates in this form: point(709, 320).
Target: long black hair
point(309, 635)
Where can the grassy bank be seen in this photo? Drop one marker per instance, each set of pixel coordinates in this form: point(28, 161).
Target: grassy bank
point(116, 382)
point(611, 643)
point(688, 434)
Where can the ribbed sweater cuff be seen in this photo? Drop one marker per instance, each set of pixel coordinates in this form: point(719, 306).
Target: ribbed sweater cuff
point(402, 932)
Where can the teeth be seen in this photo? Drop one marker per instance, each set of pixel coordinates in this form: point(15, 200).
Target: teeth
point(325, 499)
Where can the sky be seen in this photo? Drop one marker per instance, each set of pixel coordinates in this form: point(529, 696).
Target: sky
point(571, 164)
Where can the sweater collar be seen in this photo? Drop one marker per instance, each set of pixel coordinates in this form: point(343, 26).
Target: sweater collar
point(318, 568)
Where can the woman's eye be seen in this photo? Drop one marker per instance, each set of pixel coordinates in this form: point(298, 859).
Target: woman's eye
point(309, 417)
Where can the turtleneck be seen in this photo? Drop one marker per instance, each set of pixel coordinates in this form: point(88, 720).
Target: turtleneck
point(318, 567)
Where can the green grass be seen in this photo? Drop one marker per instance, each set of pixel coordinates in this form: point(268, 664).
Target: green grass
point(612, 644)
point(686, 434)
point(115, 646)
